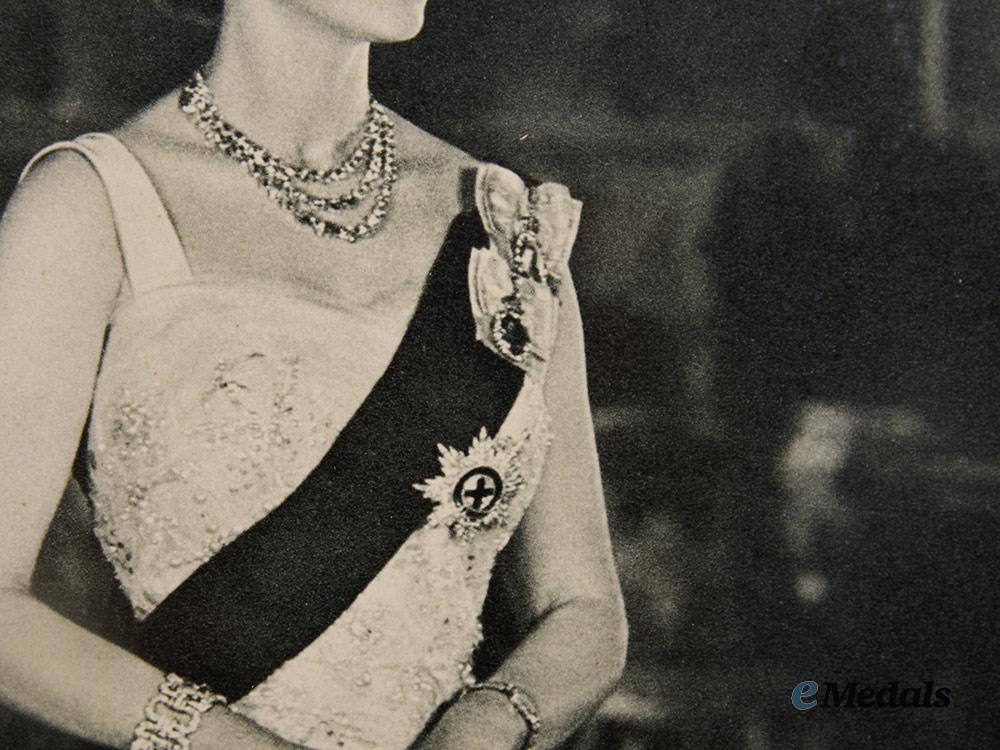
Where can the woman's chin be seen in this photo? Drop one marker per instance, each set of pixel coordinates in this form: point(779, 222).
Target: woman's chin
point(377, 21)
point(401, 27)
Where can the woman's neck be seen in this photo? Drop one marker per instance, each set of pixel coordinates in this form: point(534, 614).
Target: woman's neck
point(295, 86)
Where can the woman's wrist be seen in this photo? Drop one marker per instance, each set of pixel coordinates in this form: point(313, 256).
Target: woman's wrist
point(173, 714)
point(518, 700)
point(223, 729)
point(185, 716)
point(479, 720)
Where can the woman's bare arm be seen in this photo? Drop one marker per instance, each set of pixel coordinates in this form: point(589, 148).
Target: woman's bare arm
point(60, 274)
point(563, 582)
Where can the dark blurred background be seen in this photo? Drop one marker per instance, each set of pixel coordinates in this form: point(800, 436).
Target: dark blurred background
point(788, 270)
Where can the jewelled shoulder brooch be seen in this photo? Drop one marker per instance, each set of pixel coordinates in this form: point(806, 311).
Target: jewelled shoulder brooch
point(514, 282)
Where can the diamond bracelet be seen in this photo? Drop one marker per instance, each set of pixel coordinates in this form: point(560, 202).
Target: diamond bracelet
point(173, 715)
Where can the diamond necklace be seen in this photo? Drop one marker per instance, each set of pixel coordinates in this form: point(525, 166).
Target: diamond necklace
point(283, 182)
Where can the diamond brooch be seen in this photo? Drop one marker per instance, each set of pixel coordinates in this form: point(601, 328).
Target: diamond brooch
point(475, 489)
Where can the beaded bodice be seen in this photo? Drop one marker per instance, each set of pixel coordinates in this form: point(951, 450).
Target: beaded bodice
point(213, 403)
point(216, 399)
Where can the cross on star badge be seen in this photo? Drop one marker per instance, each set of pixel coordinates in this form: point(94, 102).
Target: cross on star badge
point(474, 489)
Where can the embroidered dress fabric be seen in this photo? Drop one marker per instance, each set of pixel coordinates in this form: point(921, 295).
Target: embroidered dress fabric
point(217, 398)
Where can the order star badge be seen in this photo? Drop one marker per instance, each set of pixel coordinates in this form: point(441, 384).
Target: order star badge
point(474, 489)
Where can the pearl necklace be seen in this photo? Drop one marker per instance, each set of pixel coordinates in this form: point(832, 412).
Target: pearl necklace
point(376, 154)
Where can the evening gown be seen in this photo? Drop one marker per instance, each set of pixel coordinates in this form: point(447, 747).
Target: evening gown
point(316, 549)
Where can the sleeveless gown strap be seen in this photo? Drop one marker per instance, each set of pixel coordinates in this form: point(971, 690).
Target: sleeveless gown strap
point(151, 250)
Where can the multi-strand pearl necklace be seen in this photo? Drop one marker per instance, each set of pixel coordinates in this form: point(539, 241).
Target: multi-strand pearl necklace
point(283, 182)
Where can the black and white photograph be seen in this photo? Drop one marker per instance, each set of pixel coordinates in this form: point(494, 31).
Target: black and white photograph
point(465, 375)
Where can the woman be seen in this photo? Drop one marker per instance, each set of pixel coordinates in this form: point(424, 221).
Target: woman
point(314, 419)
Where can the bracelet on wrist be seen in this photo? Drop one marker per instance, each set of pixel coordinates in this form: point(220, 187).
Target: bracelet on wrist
point(173, 715)
point(520, 701)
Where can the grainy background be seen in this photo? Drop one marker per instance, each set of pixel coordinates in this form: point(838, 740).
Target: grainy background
point(788, 268)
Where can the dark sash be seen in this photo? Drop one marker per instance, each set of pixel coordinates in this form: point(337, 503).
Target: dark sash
point(271, 592)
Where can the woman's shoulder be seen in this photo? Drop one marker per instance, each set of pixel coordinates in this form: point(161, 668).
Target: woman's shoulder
point(73, 168)
point(425, 152)
point(95, 187)
point(60, 200)
point(516, 276)
point(61, 176)
point(502, 196)
point(59, 225)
